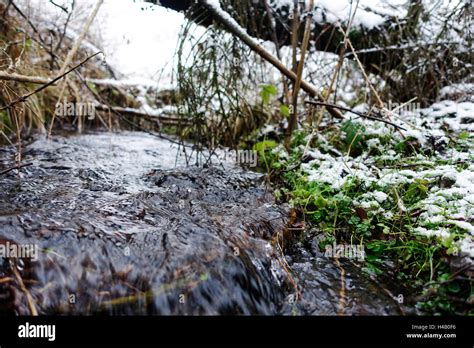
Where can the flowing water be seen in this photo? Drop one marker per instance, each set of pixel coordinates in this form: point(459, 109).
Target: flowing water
point(123, 226)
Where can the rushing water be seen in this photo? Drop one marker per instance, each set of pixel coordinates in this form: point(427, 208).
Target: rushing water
point(124, 227)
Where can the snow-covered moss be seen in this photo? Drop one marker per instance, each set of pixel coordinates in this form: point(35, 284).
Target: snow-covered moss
point(408, 196)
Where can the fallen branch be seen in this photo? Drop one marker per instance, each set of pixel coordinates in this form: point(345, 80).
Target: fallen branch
point(231, 25)
point(399, 47)
point(46, 85)
point(120, 83)
point(23, 78)
point(380, 119)
point(140, 113)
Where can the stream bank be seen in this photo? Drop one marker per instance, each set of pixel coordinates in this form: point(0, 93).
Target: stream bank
point(122, 226)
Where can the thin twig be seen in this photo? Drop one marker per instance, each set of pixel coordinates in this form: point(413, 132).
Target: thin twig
point(15, 167)
point(59, 6)
point(299, 74)
point(26, 18)
point(140, 113)
point(68, 19)
point(355, 112)
point(81, 37)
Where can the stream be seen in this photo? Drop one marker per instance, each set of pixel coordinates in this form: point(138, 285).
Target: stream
point(123, 227)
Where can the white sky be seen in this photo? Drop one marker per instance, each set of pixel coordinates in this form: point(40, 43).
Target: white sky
point(139, 39)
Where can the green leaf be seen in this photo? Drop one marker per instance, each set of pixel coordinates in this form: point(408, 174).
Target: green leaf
point(265, 145)
point(266, 92)
point(320, 202)
point(354, 134)
point(443, 277)
point(285, 110)
point(354, 220)
point(371, 268)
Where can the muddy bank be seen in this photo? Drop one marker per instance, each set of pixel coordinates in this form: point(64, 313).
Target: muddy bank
point(123, 227)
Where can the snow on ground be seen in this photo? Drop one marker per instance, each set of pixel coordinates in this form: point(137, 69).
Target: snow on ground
point(448, 174)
